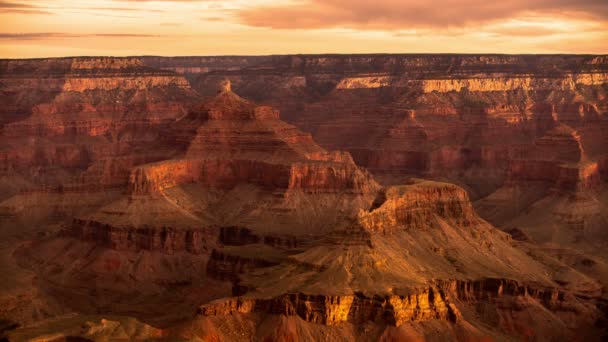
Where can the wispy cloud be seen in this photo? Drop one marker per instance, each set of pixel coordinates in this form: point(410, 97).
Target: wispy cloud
point(190, 27)
point(407, 14)
point(129, 9)
point(24, 11)
point(213, 19)
point(15, 7)
point(7, 4)
point(60, 35)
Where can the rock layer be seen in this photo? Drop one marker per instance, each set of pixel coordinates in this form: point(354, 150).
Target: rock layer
point(139, 187)
point(331, 310)
point(472, 113)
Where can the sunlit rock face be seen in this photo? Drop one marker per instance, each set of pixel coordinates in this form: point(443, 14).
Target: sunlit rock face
point(92, 116)
point(240, 142)
point(474, 112)
point(282, 198)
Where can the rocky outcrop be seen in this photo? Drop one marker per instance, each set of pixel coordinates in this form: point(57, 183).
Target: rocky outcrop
point(239, 142)
point(330, 177)
point(558, 159)
point(487, 83)
point(417, 206)
point(167, 240)
point(225, 266)
point(395, 310)
point(494, 288)
point(437, 302)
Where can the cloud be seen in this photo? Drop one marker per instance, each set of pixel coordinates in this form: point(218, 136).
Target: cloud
point(13, 7)
point(122, 9)
point(23, 11)
point(213, 19)
point(527, 31)
point(406, 14)
point(60, 35)
point(6, 4)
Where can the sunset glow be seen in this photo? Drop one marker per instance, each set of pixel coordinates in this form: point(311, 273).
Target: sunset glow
point(140, 27)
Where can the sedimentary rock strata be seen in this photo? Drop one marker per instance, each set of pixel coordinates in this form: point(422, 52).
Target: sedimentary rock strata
point(95, 114)
point(141, 197)
point(472, 113)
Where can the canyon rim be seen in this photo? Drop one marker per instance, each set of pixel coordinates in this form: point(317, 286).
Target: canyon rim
point(204, 170)
point(304, 197)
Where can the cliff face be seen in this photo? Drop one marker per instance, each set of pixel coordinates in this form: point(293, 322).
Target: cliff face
point(138, 187)
point(455, 117)
point(416, 206)
point(560, 175)
point(474, 112)
point(85, 113)
point(428, 304)
point(167, 240)
point(424, 304)
point(558, 158)
point(237, 142)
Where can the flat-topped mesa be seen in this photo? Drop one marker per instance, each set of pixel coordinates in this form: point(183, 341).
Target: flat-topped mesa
point(90, 95)
point(393, 64)
point(485, 83)
point(239, 142)
point(419, 206)
point(80, 74)
point(558, 158)
point(106, 63)
point(108, 73)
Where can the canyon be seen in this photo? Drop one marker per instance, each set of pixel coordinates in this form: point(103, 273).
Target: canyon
point(304, 197)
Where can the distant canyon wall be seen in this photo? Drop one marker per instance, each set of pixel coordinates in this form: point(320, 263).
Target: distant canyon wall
point(464, 118)
point(459, 117)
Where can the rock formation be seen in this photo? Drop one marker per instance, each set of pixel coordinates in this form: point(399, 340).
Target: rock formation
point(474, 112)
point(85, 114)
point(142, 198)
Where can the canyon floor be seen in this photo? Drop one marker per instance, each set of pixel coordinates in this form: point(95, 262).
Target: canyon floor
point(304, 197)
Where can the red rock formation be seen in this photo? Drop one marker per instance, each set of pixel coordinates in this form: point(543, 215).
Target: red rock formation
point(243, 143)
point(417, 206)
point(559, 159)
point(476, 112)
point(332, 310)
point(96, 113)
point(163, 239)
point(226, 209)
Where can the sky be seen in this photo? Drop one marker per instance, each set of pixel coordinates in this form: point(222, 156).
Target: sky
point(53, 28)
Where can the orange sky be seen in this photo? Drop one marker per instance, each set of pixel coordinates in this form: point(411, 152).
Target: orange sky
point(36, 28)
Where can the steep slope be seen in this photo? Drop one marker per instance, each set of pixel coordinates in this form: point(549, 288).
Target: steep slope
point(555, 197)
point(243, 172)
point(71, 130)
point(421, 258)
